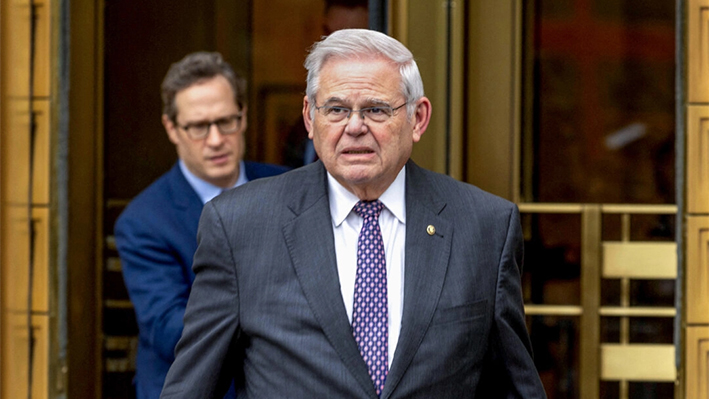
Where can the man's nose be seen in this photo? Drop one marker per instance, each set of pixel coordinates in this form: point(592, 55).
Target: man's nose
point(356, 123)
point(214, 136)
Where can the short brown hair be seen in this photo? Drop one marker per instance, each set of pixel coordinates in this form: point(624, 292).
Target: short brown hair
point(196, 67)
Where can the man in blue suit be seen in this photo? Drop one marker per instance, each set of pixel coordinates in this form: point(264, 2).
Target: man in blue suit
point(204, 115)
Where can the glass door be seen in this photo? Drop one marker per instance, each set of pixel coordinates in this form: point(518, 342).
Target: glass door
point(597, 193)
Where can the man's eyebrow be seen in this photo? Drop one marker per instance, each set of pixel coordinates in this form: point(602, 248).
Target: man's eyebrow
point(334, 100)
point(196, 122)
point(376, 101)
point(368, 102)
point(200, 121)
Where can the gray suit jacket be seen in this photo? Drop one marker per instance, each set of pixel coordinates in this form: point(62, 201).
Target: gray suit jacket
point(266, 306)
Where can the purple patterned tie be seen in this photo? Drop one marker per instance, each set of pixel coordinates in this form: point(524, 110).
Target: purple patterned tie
point(370, 318)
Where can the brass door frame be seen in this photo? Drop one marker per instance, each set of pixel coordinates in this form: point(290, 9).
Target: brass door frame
point(693, 187)
point(590, 310)
point(85, 196)
point(434, 31)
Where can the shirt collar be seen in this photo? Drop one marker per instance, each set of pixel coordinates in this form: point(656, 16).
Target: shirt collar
point(205, 190)
point(342, 201)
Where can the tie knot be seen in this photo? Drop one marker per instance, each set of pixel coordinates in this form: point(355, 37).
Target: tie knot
point(369, 208)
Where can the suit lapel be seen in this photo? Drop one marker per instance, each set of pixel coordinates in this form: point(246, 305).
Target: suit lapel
point(185, 199)
point(188, 209)
point(425, 270)
point(315, 265)
point(183, 195)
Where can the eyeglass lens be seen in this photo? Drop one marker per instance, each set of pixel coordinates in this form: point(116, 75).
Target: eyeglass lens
point(226, 125)
point(336, 114)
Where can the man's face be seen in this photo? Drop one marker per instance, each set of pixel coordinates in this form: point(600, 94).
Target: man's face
point(364, 156)
point(214, 158)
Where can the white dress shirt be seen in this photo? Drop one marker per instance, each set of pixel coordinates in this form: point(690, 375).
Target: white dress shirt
point(206, 191)
point(346, 225)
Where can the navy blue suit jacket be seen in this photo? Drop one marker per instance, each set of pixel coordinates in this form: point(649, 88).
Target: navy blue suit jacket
point(156, 236)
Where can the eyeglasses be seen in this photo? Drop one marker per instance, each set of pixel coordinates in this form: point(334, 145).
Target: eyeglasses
point(337, 114)
point(200, 130)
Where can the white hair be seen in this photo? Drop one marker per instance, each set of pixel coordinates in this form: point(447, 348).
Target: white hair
point(354, 43)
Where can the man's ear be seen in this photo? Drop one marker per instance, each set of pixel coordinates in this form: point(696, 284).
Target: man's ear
point(421, 117)
point(170, 129)
point(306, 117)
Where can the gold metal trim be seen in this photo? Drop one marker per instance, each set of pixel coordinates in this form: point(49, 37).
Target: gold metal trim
point(638, 209)
point(625, 227)
point(697, 363)
point(553, 310)
point(589, 373)
point(635, 209)
point(113, 343)
point(697, 84)
point(110, 242)
point(638, 362)
point(640, 260)
point(518, 38)
point(531, 207)
point(696, 274)
point(119, 365)
point(113, 264)
point(117, 304)
point(616, 311)
point(398, 20)
point(697, 169)
point(117, 202)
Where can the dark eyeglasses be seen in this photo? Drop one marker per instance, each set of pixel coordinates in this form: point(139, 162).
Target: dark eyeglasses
point(200, 130)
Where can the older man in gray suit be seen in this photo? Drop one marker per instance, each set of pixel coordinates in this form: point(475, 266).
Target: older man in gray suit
point(361, 275)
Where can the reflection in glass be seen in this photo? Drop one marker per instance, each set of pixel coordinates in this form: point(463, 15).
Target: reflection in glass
point(551, 276)
point(652, 228)
point(642, 330)
point(652, 293)
point(600, 127)
point(552, 259)
point(638, 390)
point(651, 330)
point(650, 390)
point(555, 343)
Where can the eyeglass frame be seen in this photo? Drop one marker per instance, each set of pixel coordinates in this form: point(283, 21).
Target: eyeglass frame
point(186, 127)
point(360, 111)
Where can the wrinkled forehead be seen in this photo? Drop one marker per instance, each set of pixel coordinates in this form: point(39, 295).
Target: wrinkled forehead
point(346, 65)
point(367, 74)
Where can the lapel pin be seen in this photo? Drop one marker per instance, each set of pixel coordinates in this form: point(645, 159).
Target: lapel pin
point(430, 230)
